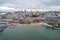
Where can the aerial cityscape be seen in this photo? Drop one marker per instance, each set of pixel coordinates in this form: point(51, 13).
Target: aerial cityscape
point(32, 17)
point(29, 19)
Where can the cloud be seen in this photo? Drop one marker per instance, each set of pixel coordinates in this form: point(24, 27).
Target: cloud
point(8, 9)
point(31, 4)
point(54, 8)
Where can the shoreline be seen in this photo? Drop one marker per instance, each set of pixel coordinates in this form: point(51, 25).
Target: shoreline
point(36, 24)
point(32, 24)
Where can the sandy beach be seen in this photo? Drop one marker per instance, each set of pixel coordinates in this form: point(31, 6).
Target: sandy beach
point(33, 24)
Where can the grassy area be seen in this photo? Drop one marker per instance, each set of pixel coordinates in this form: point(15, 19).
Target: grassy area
point(55, 25)
point(23, 22)
point(58, 25)
point(34, 16)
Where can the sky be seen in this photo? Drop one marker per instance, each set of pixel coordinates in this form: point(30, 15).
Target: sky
point(30, 4)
